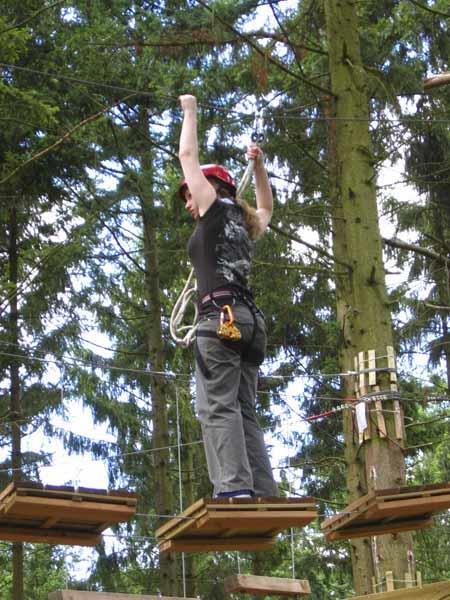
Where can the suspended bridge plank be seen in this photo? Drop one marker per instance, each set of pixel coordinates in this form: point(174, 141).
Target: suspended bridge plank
point(233, 524)
point(32, 512)
point(79, 595)
point(430, 591)
point(261, 586)
point(389, 511)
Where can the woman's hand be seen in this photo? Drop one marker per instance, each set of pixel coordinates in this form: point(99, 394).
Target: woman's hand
point(255, 153)
point(188, 102)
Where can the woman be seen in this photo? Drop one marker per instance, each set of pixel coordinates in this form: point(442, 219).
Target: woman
point(227, 357)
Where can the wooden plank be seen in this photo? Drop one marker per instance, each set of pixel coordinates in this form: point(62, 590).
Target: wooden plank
point(49, 536)
point(255, 520)
point(372, 366)
point(7, 491)
point(362, 379)
point(261, 586)
point(217, 544)
point(250, 504)
point(431, 591)
point(32, 488)
point(179, 525)
point(391, 364)
point(29, 506)
point(79, 595)
point(367, 530)
point(381, 424)
point(389, 581)
point(398, 420)
point(414, 506)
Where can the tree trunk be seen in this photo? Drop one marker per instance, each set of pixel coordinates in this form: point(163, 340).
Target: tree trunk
point(362, 309)
point(160, 389)
point(15, 400)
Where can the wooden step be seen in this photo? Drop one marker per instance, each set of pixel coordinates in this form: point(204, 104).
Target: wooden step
point(262, 586)
point(234, 523)
point(32, 512)
point(389, 511)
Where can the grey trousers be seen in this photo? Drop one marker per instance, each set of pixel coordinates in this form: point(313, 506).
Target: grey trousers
point(227, 377)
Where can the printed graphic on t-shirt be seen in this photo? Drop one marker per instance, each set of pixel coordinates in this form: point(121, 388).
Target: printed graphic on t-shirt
point(235, 249)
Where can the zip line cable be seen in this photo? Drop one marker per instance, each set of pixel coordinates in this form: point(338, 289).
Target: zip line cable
point(103, 364)
point(179, 444)
point(239, 114)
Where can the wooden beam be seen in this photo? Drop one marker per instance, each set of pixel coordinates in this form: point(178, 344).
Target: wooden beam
point(240, 544)
point(79, 595)
point(49, 536)
point(261, 586)
point(83, 510)
point(361, 530)
point(431, 591)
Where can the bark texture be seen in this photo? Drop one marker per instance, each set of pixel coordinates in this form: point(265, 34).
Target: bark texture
point(362, 308)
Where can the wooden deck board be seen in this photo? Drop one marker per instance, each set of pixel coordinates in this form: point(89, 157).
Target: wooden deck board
point(29, 512)
point(219, 524)
point(430, 591)
point(79, 595)
point(384, 511)
point(262, 586)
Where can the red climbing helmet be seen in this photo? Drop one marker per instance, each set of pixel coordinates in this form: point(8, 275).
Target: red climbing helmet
point(216, 171)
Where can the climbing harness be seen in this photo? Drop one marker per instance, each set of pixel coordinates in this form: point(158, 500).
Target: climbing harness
point(184, 334)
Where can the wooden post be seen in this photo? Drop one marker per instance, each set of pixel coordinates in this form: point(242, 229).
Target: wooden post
point(389, 581)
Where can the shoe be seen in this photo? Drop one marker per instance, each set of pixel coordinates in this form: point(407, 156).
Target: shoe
point(235, 494)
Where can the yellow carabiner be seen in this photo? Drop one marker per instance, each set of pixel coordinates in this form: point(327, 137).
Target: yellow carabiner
point(227, 330)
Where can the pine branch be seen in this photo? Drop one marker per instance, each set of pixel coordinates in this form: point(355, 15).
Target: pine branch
point(263, 53)
point(317, 249)
point(63, 138)
point(437, 81)
point(208, 38)
point(437, 306)
point(31, 17)
point(433, 11)
point(396, 243)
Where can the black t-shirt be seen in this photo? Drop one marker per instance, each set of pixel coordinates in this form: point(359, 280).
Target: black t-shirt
point(220, 248)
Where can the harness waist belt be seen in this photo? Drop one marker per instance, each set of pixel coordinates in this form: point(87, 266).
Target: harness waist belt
point(219, 294)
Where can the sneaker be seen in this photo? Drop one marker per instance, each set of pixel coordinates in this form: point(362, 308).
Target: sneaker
point(236, 494)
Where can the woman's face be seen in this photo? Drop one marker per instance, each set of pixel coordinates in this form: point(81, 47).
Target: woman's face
point(190, 205)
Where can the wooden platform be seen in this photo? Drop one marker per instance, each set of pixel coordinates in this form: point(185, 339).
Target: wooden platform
point(430, 591)
point(78, 595)
point(389, 511)
point(262, 586)
point(234, 524)
point(31, 512)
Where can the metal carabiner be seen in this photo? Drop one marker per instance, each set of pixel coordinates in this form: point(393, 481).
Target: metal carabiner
point(258, 127)
point(227, 330)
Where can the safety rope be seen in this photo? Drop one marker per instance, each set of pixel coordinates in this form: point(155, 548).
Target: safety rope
point(184, 334)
